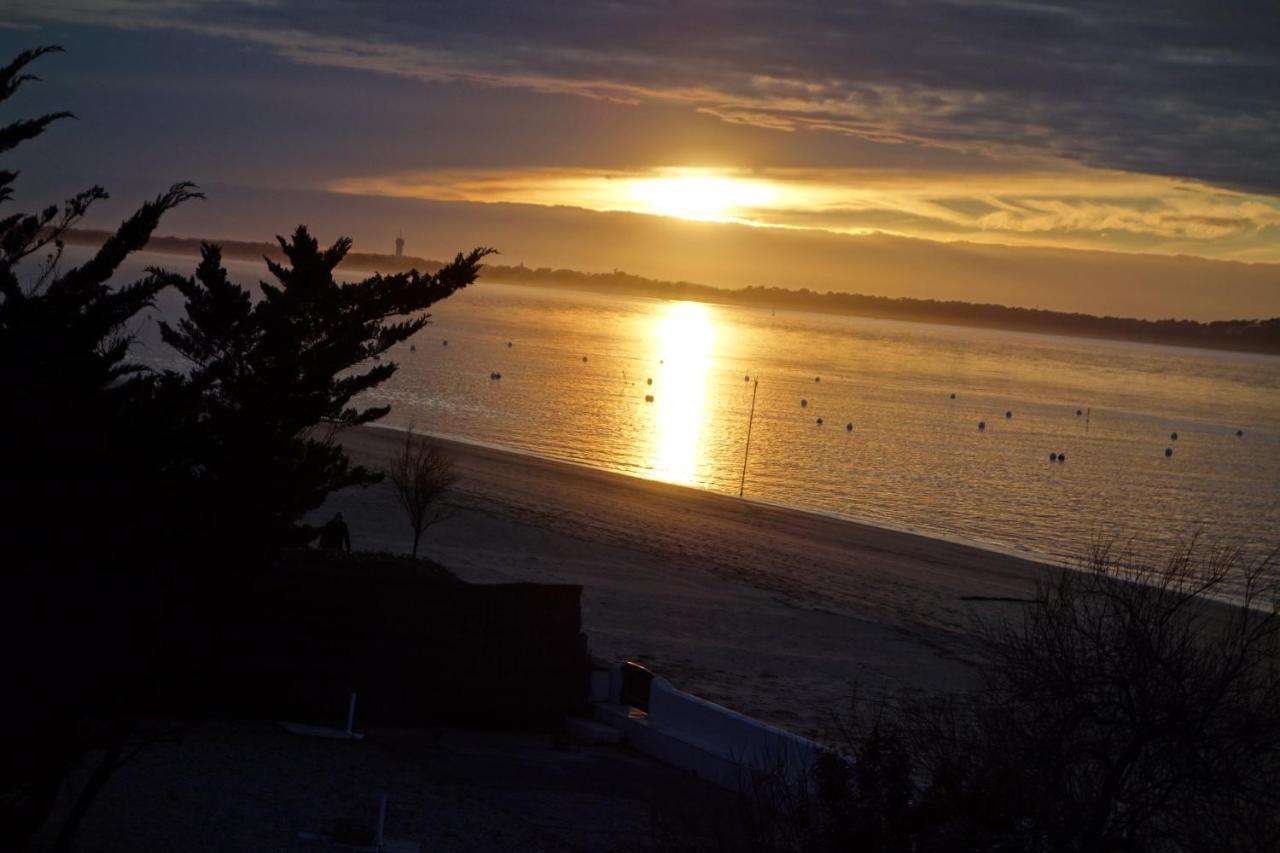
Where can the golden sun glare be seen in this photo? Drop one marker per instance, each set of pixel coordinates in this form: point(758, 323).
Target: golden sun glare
point(685, 337)
point(698, 195)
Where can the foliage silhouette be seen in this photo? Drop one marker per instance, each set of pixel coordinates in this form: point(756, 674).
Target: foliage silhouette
point(64, 362)
point(273, 381)
point(1116, 716)
point(81, 455)
point(127, 494)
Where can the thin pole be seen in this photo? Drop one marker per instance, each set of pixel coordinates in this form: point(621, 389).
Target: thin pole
point(742, 484)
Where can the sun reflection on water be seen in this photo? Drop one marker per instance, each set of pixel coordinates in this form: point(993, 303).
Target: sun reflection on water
point(685, 337)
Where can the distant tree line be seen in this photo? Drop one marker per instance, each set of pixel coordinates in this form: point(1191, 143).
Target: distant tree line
point(248, 250)
point(1243, 335)
point(1247, 335)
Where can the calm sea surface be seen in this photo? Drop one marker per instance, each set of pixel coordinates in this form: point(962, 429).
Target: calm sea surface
point(576, 369)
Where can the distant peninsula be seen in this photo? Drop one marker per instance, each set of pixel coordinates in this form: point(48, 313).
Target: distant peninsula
point(1245, 335)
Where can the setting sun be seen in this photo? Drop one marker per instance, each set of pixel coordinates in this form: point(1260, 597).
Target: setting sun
point(698, 195)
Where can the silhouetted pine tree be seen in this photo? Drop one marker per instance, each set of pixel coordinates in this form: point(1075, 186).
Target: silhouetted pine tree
point(71, 431)
point(80, 453)
point(118, 485)
point(276, 378)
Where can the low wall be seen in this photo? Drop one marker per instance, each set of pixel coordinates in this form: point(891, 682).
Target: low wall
point(709, 740)
point(766, 754)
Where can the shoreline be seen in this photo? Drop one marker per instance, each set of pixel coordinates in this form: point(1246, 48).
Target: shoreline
point(861, 521)
point(1035, 559)
point(776, 612)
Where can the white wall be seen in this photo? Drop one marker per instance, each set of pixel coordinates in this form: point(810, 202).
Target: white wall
point(714, 742)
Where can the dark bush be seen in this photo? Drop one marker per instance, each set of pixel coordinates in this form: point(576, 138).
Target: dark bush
point(1116, 715)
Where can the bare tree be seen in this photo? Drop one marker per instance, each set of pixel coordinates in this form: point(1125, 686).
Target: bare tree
point(422, 473)
point(1145, 701)
point(1127, 708)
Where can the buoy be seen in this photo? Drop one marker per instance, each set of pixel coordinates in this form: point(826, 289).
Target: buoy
point(648, 381)
point(819, 421)
point(495, 375)
point(648, 398)
point(1053, 457)
point(1079, 413)
point(1062, 457)
point(444, 343)
point(746, 379)
point(1173, 436)
point(953, 396)
point(1168, 451)
point(804, 403)
point(413, 347)
point(817, 379)
point(508, 344)
point(1239, 433)
point(848, 427)
point(1008, 414)
point(982, 425)
point(584, 359)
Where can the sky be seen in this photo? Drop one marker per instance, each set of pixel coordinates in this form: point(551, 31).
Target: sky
point(874, 146)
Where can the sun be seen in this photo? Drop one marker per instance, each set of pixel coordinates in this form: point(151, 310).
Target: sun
point(698, 195)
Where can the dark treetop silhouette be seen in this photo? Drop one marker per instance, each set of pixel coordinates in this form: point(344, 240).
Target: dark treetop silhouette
point(130, 499)
point(272, 380)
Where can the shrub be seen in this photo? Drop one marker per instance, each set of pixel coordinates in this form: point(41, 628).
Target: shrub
point(1117, 715)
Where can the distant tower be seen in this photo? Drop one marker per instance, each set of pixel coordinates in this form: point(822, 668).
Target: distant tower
point(399, 246)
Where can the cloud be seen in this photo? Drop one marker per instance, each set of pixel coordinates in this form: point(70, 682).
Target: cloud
point(1070, 208)
point(1192, 93)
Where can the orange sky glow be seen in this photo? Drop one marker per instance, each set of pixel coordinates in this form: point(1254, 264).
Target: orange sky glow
point(950, 150)
point(1068, 208)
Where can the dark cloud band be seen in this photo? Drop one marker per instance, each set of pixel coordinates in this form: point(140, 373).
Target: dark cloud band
point(1181, 89)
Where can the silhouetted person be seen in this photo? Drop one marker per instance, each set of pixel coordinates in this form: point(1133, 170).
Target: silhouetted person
point(334, 535)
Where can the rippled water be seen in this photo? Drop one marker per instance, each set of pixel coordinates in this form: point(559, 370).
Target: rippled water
point(914, 458)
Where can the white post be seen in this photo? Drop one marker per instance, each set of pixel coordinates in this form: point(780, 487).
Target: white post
point(742, 484)
point(382, 820)
point(351, 713)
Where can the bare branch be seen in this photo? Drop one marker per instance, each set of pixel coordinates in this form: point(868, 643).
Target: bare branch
point(421, 473)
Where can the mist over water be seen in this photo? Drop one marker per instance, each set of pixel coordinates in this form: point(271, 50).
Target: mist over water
point(914, 458)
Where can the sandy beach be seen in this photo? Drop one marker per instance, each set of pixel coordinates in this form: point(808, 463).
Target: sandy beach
point(775, 612)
